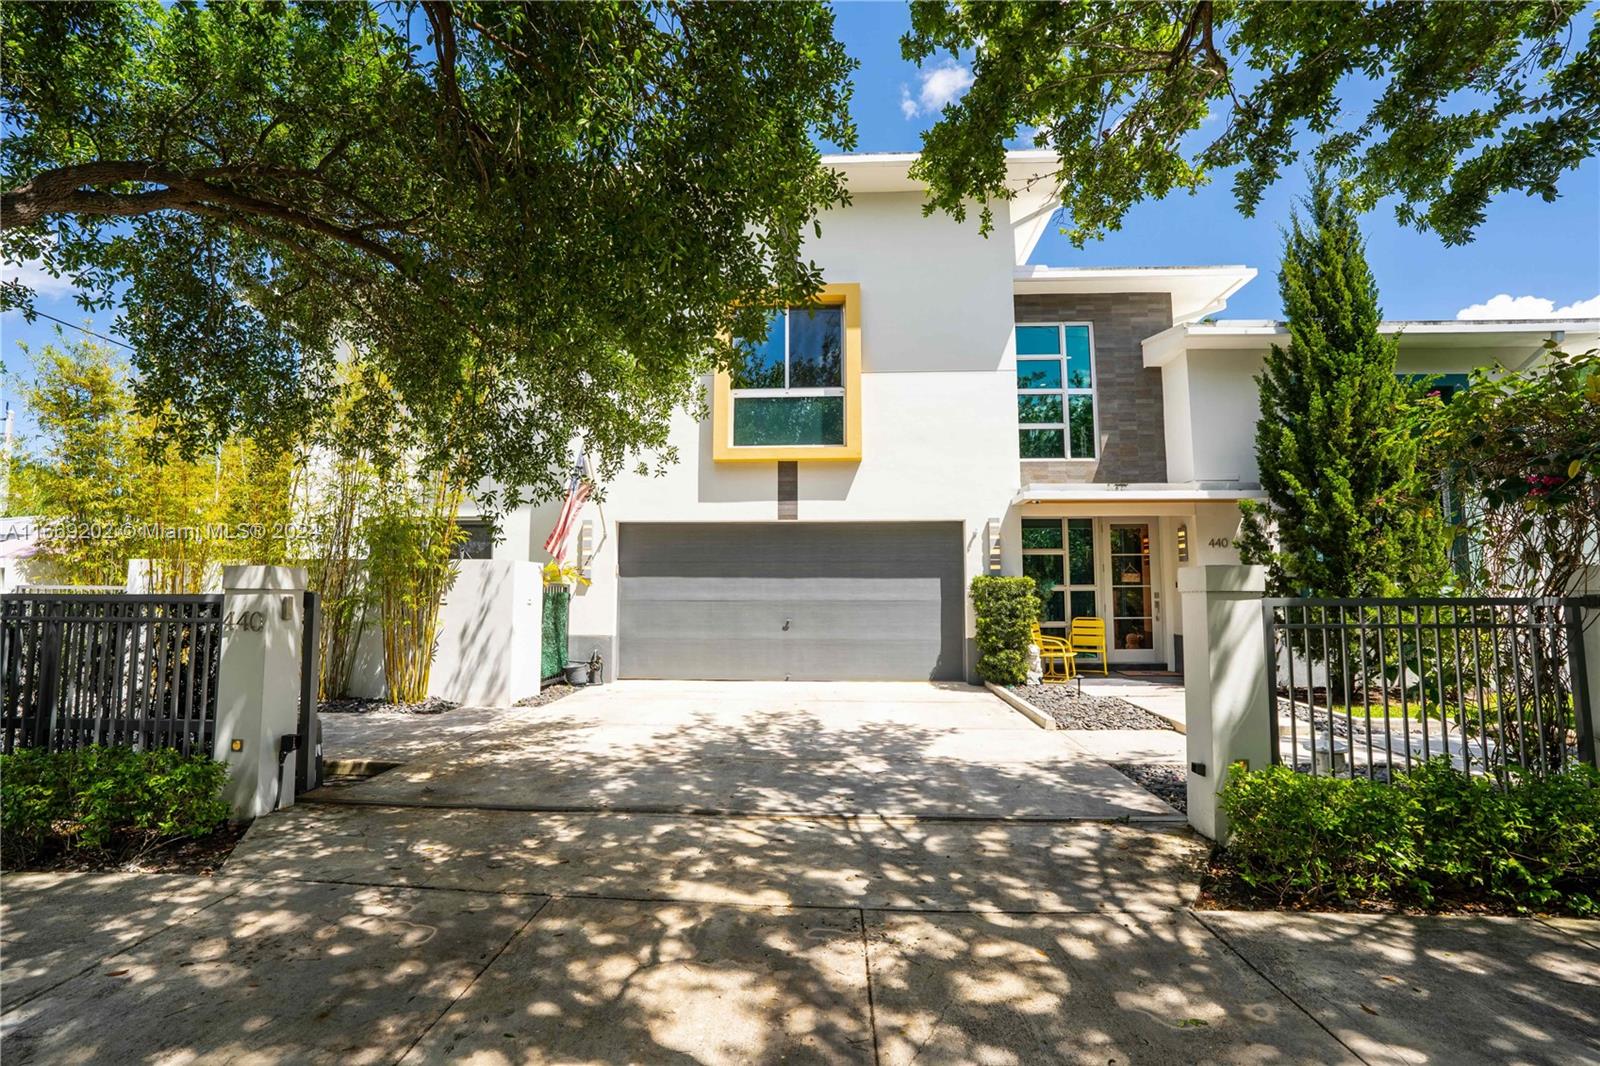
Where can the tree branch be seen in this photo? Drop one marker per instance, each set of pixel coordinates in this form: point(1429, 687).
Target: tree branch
point(65, 189)
point(441, 16)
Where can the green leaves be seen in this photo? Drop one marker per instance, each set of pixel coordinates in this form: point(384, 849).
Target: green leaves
point(536, 221)
point(1348, 510)
point(1433, 836)
point(105, 800)
point(113, 491)
point(1006, 608)
point(1522, 450)
point(1140, 100)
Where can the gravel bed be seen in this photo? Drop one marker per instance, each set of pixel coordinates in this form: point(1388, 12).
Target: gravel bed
point(1073, 710)
point(354, 705)
point(547, 695)
point(1164, 780)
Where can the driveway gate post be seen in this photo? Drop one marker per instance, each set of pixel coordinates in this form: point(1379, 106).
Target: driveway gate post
point(1228, 715)
point(258, 685)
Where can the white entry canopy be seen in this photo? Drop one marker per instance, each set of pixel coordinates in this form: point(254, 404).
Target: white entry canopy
point(1152, 492)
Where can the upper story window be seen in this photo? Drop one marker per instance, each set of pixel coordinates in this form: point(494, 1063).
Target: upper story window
point(790, 390)
point(797, 393)
point(478, 543)
point(1055, 391)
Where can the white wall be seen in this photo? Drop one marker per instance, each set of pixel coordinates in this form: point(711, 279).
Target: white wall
point(487, 650)
point(1212, 403)
point(1223, 407)
point(939, 435)
point(1177, 413)
point(367, 681)
point(488, 646)
point(1214, 536)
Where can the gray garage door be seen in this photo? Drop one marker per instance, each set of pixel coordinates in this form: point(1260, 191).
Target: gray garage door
point(803, 601)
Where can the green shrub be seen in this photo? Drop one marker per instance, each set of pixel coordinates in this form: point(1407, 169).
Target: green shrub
point(1434, 835)
point(1006, 609)
point(105, 800)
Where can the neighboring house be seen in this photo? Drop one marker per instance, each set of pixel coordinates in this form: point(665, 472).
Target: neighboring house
point(950, 411)
point(19, 539)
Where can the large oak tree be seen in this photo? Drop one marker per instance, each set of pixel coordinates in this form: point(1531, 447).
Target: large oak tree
point(1472, 100)
point(535, 222)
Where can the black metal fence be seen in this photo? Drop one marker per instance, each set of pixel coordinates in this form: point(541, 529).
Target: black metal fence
point(308, 758)
point(1372, 686)
point(124, 670)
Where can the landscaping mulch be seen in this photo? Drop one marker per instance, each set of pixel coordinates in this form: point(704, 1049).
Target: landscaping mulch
point(1164, 780)
point(202, 856)
point(546, 695)
point(1074, 710)
point(356, 705)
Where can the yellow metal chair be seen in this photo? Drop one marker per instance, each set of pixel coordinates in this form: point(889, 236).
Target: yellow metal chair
point(1056, 657)
point(1087, 636)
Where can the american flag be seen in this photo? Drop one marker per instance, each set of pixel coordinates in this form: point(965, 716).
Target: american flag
point(577, 492)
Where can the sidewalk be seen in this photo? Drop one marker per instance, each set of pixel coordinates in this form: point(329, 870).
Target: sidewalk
point(830, 927)
point(268, 968)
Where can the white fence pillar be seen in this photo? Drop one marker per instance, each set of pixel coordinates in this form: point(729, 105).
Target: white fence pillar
point(1225, 683)
point(258, 685)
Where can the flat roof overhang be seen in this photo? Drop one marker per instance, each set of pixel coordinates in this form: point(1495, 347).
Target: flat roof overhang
point(1524, 336)
point(1157, 492)
point(1196, 291)
point(868, 172)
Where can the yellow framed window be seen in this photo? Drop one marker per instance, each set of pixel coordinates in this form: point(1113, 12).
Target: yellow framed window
point(797, 394)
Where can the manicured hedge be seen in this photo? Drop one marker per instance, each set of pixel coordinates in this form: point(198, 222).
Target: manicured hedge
point(1434, 837)
point(107, 801)
point(1006, 609)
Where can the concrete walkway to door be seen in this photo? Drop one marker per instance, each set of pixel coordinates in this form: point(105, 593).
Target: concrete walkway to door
point(769, 748)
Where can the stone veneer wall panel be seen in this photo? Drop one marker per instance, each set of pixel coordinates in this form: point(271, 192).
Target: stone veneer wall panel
point(1133, 444)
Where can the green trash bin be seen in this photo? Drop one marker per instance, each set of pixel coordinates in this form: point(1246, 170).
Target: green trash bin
point(553, 633)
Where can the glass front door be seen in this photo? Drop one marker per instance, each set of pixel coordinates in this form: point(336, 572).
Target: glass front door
point(1132, 593)
point(1098, 568)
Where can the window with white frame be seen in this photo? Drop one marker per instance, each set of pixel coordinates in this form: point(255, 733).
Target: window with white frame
point(1059, 555)
point(790, 388)
point(1055, 391)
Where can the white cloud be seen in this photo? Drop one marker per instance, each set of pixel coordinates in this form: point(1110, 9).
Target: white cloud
point(939, 86)
point(1507, 306)
point(32, 274)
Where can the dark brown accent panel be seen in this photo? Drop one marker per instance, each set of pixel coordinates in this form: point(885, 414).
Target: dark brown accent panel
point(789, 490)
point(1133, 443)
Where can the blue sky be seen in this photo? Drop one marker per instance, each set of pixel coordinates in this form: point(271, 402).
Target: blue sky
point(1526, 248)
point(1548, 255)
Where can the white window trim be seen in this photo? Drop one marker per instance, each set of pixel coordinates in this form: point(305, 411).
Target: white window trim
point(1065, 391)
point(757, 393)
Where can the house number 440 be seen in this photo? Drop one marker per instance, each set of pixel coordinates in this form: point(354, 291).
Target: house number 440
point(253, 621)
point(1220, 542)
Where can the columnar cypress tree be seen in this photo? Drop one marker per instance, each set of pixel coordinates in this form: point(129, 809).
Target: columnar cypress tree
point(1347, 511)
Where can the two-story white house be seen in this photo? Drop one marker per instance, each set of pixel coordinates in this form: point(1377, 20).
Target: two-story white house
point(949, 411)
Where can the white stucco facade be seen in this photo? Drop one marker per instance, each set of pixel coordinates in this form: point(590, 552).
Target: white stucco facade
point(939, 305)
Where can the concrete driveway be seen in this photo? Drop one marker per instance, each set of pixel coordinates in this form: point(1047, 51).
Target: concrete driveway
point(838, 749)
point(899, 874)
